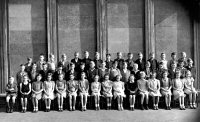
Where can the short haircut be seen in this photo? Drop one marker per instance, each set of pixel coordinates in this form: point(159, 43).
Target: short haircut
point(173, 53)
point(108, 54)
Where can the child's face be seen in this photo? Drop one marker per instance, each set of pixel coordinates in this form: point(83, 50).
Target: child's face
point(22, 68)
point(71, 77)
point(119, 55)
point(49, 78)
point(173, 56)
point(118, 78)
point(161, 66)
point(148, 65)
point(181, 64)
point(130, 56)
point(83, 76)
point(125, 65)
point(96, 78)
point(39, 78)
point(190, 63)
point(140, 56)
point(163, 56)
point(173, 65)
point(45, 66)
point(183, 55)
point(30, 60)
point(64, 57)
point(188, 74)
point(52, 57)
point(82, 66)
point(142, 75)
point(132, 79)
point(60, 77)
point(165, 75)
point(115, 65)
point(152, 55)
point(11, 80)
point(86, 54)
point(25, 78)
point(92, 64)
point(154, 75)
point(34, 66)
point(135, 67)
point(76, 55)
point(72, 66)
point(178, 75)
point(108, 57)
point(41, 58)
point(106, 77)
point(103, 64)
point(60, 69)
point(97, 56)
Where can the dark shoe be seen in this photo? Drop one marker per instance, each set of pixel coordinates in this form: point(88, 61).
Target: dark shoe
point(11, 110)
point(142, 107)
point(170, 108)
point(7, 110)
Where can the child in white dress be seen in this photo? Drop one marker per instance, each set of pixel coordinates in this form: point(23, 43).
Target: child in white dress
point(154, 90)
point(48, 95)
point(119, 88)
point(107, 90)
point(178, 93)
point(190, 90)
point(96, 88)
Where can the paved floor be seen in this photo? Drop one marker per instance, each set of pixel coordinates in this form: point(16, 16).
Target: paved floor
point(175, 115)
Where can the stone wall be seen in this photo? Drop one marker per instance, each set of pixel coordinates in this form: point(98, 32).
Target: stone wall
point(125, 26)
point(27, 31)
point(173, 27)
point(76, 27)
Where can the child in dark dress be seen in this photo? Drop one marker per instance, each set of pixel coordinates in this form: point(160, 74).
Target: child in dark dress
point(132, 91)
point(25, 90)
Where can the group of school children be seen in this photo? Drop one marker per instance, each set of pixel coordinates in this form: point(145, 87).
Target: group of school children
point(116, 79)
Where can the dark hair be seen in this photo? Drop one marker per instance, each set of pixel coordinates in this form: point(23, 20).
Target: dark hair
point(173, 53)
point(108, 54)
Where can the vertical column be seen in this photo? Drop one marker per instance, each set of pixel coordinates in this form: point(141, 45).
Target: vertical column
point(149, 27)
point(52, 27)
point(196, 52)
point(101, 11)
point(4, 45)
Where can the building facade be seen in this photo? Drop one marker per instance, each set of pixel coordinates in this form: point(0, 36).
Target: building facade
point(31, 27)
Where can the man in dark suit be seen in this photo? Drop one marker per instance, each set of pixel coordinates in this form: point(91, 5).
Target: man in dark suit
point(141, 62)
point(97, 60)
point(86, 60)
point(119, 60)
point(108, 61)
point(76, 61)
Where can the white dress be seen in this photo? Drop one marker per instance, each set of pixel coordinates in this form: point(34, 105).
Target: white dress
point(48, 86)
point(118, 88)
point(153, 84)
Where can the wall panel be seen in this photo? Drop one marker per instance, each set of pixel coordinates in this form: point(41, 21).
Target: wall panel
point(27, 31)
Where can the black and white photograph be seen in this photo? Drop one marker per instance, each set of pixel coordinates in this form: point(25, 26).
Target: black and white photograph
point(99, 60)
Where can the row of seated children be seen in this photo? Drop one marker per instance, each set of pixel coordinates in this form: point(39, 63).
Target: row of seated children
point(117, 89)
